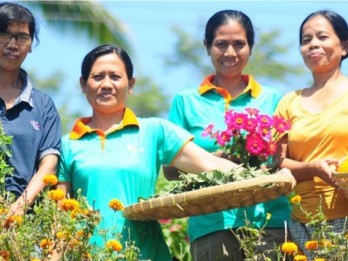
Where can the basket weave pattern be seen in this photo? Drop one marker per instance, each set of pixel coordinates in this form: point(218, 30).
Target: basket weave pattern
point(215, 198)
point(342, 181)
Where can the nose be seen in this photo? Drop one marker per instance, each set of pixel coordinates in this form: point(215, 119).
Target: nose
point(106, 82)
point(13, 42)
point(230, 51)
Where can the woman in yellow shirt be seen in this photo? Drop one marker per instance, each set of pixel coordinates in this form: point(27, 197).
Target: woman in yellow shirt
point(319, 117)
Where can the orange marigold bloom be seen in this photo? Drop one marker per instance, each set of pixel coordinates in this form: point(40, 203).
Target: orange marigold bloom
point(69, 204)
point(114, 245)
point(15, 219)
point(300, 258)
point(50, 180)
point(56, 194)
point(116, 205)
point(45, 243)
point(296, 199)
point(289, 248)
point(5, 255)
point(311, 245)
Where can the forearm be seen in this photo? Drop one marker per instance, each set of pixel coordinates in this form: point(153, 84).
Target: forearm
point(47, 166)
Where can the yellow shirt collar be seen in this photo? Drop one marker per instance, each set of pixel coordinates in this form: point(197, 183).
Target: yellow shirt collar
point(80, 127)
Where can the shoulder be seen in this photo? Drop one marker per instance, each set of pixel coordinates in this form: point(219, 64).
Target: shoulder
point(270, 91)
point(290, 96)
point(40, 96)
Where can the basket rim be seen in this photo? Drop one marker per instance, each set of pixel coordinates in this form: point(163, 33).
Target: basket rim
point(145, 209)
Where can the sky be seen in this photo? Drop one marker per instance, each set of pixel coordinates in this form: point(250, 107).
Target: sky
point(149, 27)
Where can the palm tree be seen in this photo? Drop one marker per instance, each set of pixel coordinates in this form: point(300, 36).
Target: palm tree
point(88, 17)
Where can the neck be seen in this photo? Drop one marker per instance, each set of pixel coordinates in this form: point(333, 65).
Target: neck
point(234, 85)
point(105, 122)
point(327, 79)
point(10, 81)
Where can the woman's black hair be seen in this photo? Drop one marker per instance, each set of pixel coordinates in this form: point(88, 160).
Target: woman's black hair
point(223, 17)
point(15, 13)
point(337, 22)
point(93, 55)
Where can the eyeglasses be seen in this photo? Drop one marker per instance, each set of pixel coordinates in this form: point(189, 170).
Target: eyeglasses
point(21, 38)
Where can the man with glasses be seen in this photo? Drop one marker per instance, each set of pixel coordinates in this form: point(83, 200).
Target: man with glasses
point(26, 114)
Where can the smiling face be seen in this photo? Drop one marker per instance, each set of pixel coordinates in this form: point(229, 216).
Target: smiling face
point(107, 85)
point(321, 48)
point(229, 51)
point(12, 54)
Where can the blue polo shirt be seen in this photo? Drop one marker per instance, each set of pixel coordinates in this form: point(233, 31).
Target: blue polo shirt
point(34, 124)
point(194, 110)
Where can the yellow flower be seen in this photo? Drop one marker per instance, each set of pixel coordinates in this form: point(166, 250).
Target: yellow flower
point(296, 199)
point(3, 211)
point(61, 235)
point(69, 204)
point(50, 180)
point(325, 243)
point(35, 259)
point(311, 245)
point(268, 216)
point(289, 248)
point(319, 259)
point(300, 258)
point(56, 194)
point(114, 245)
point(116, 205)
point(344, 166)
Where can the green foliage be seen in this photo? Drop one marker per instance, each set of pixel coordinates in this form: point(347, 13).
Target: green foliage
point(5, 152)
point(148, 100)
point(88, 17)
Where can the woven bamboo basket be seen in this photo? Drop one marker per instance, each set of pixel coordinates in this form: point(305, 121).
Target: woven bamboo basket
point(215, 198)
point(342, 181)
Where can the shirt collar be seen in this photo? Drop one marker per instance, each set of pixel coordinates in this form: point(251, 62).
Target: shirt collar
point(27, 89)
point(253, 86)
point(80, 127)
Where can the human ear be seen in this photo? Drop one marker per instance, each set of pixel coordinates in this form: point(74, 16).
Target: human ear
point(131, 85)
point(83, 85)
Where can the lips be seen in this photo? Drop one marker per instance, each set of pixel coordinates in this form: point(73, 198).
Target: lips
point(313, 54)
point(229, 64)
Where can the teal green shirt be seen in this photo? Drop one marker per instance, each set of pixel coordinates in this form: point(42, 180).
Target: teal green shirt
point(194, 110)
point(124, 165)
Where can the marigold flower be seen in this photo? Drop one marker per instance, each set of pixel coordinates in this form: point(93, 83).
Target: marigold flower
point(319, 259)
point(62, 235)
point(114, 245)
point(311, 245)
point(36, 259)
point(116, 205)
point(296, 199)
point(289, 248)
point(343, 167)
point(56, 194)
point(300, 258)
point(325, 243)
point(69, 204)
point(45, 243)
point(50, 180)
point(3, 211)
point(15, 219)
point(5, 255)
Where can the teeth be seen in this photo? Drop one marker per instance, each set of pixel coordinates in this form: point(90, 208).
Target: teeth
point(229, 64)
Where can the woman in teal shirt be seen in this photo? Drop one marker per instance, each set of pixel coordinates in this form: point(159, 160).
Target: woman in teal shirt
point(115, 155)
point(229, 38)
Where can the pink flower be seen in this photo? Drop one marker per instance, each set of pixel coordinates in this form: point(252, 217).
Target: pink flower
point(254, 144)
point(281, 124)
point(249, 136)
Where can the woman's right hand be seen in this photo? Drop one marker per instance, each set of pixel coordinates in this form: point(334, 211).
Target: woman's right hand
point(323, 169)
